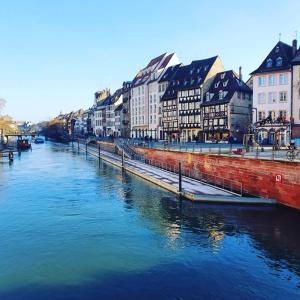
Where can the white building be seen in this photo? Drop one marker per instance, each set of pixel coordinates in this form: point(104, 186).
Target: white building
point(296, 92)
point(115, 101)
point(272, 88)
point(144, 105)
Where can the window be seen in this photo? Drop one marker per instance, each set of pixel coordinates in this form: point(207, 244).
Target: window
point(283, 96)
point(269, 63)
point(272, 114)
point(261, 115)
point(283, 79)
point(207, 96)
point(282, 113)
point(222, 75)
point(261, 81)
point(272, 97)
point(159, 88)
point(279, 61)
point(191, 92)
point(225, 83)
point(272, 80)
point(261, 98)
point(221, 95)
point(217, 84)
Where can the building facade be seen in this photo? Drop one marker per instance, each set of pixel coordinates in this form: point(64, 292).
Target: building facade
point(272, 96)
point(296, 92)
point(139, 103)
point(226, 109)
point(125, 122)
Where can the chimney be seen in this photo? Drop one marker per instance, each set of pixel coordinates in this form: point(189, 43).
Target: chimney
point(240, 73)
point(294, 47)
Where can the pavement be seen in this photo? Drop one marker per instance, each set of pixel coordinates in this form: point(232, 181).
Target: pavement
point(191, 189)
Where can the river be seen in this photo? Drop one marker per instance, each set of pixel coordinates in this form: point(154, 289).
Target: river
point(71, 228)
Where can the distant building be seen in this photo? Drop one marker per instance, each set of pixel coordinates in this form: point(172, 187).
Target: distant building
point(125, 113)
point(115, 100)
point(226, 108)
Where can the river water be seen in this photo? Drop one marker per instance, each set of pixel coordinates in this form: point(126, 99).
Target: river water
point(71, 228)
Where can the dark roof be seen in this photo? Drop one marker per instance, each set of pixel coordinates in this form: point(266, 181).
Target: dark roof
point(227, 82)
point(119, 107)
point(169, 73)
point(189, 77)
point(296, 60)
point(281, 50)
point(105, 102)
point(116, 96)
point(142, 76)
point(166, 61)
point(155, 60)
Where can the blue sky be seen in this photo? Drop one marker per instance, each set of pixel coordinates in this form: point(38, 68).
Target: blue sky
point(55, 54)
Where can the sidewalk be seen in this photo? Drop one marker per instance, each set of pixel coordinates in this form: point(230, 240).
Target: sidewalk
point(191, 189)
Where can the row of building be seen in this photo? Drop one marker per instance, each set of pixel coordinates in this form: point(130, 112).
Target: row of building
point(200, 101)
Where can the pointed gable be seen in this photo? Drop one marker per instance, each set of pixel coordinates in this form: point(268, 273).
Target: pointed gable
point(190, 76)
point(278, 59)
point(228, 83)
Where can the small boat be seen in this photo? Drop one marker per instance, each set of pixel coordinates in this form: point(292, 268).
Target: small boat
point(39, 140)
point(23, 144)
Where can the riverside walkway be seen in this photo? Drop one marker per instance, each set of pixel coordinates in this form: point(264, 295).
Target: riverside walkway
point(191, 189)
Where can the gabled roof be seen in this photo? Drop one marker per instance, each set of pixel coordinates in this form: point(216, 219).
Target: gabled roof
point(103, 103)
point(119, 107)
point(229, 83)
point(189, 77)
point(169, 73)
point(144, 74)
point(281, 50)
point(116, 95)
point(156, 60)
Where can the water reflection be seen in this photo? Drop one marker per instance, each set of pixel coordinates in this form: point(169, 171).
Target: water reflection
point(110, 235)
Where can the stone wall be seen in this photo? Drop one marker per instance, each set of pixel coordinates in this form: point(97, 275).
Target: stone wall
point(264, 178)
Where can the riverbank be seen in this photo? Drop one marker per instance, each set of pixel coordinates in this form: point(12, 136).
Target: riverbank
point(190, 188)
point(279, 180)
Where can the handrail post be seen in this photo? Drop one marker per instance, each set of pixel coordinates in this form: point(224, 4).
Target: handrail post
point(86, 147)
point(180, 178)
point(99, 152)
point(122, 159)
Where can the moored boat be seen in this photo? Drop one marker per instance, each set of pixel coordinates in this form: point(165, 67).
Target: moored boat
point(39, 140)
point(23, 144)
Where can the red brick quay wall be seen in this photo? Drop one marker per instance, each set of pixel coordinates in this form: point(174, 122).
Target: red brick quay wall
point(265, 178)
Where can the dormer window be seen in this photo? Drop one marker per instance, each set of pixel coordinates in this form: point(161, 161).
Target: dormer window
point(217, 84)
point(191, 71)
point(221, 94)
point(207, 96)
point(198, 70)
point(186, 82)
point(199, 80)
point(279, 61)
point(269, 63)
point(277, 49)
point(192, 81)
point(222, 76)
point(225, 83)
